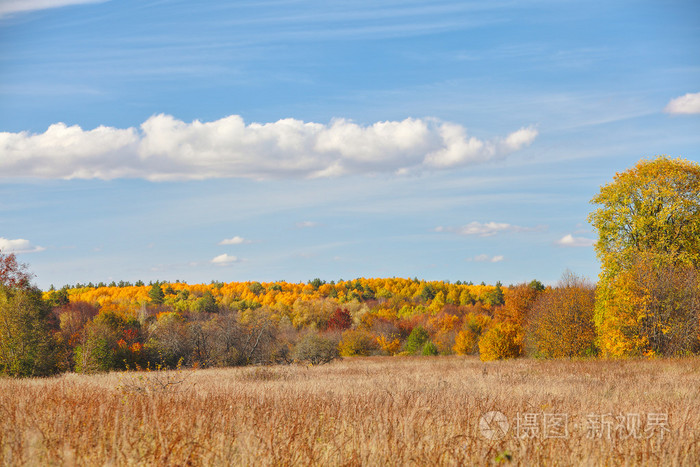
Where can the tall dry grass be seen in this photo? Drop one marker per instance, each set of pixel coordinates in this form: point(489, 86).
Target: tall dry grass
point(374, 411)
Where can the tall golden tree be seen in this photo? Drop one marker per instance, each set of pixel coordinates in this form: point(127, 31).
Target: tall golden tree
point(651, 214)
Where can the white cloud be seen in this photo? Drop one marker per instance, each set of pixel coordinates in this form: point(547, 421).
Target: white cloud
point(487, 258)
point(165, 148)
point(487, 229)
point(7, 7)
point(234, 241)
point(571, 241)
point(224, 260)
point(687, 104)
point(306, 224)
point(18, 245)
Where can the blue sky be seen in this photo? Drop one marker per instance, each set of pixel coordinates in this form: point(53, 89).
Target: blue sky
point(287, 140)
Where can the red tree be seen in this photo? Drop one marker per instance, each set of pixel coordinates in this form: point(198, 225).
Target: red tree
point(12, 273)
point(340, 320)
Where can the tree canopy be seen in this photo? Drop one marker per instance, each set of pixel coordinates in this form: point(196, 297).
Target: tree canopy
point(654, 207)
point(648, 221)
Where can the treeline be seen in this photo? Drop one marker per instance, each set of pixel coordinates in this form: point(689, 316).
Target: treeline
point(646, 303)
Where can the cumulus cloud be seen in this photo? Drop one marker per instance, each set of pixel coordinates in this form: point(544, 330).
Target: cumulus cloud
point(687, 104)
point(19, 245)
point(8, 7)
point(487, 229)
point(164, 148)
point(487, 258)
point(225, 260)
point(234, 241)
point(571, 241)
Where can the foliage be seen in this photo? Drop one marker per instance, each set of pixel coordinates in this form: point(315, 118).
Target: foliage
point(315, 349)
point(562, 321)
point(356, 342)
point(501, 341)
point(26, 345)
point(340, 320)
point(156, 294)
point(12, 273)
point(429, 349)
point(653, 308)
point(467, 339)
point(418, 337)
point(655, 206)
point(648, 222)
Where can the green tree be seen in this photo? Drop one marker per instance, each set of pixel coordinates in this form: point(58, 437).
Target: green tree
point(207, 303)
point(649, 213)
point(27, 347)
point(156, 294)
point(418, 337)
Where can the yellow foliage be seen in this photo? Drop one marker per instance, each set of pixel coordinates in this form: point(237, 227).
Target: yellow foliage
point(503, 340)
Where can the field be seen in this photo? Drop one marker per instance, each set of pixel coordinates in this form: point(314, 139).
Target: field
point(362, 411)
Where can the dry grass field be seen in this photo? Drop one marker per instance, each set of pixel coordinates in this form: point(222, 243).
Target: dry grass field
point(362, 411)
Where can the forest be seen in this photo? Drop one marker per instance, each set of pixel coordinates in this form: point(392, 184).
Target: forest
point(645, 303)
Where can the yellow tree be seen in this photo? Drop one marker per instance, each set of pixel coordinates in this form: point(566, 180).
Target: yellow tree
point(650, 212)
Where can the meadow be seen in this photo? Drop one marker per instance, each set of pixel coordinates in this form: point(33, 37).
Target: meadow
point(362, 411)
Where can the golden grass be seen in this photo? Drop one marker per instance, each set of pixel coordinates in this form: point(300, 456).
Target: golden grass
point(372, 411)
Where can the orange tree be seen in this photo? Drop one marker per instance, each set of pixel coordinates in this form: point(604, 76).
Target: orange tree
point(649, 213)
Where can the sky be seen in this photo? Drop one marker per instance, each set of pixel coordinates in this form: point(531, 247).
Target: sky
point(289, 140)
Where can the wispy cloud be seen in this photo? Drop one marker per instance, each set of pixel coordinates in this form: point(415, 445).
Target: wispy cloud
point(8, 7)
point(487, 229)
point(687, 104)
point(306, 224)
point(234, 241)
point(165, 148)
point(225, 260)
point(18, 245)
point(577, 242)
point(487, 259)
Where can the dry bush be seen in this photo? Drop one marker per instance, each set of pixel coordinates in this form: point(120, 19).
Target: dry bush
point(562, 320)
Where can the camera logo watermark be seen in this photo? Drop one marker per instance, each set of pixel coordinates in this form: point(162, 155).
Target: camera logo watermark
point(493, 425)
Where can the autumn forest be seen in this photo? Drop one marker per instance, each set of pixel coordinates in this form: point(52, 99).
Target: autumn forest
point(646, 303)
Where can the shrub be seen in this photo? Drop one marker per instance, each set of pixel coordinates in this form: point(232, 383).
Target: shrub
point(418, 337)
point(356, 342)
point(315, 349)
point(429, 349)
point(501, 341)
point(562, 320)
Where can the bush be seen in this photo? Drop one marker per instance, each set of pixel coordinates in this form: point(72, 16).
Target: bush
point(429, 349)
point(503, 340)
point(562, 320)
point(356, 342)
point(315, 349)
point(418, 337)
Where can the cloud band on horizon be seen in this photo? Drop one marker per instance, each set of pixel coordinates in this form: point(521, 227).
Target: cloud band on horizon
point(165, 148)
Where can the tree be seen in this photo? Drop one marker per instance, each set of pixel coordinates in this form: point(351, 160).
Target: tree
point(655, 206)
point(418, 337)
point(156, 294)
point(27, 347)
point(562, 320)
point(12, 273)
point(648, 218)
